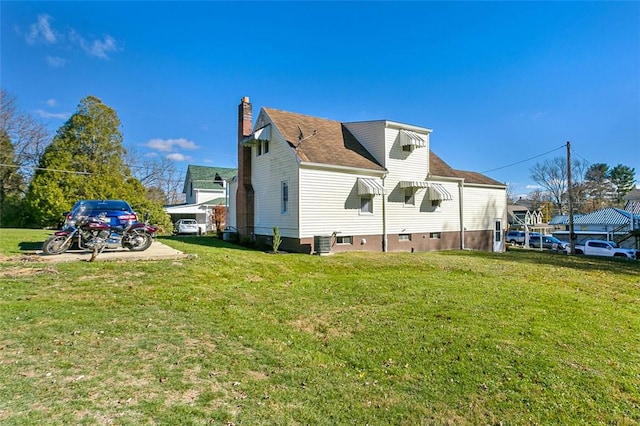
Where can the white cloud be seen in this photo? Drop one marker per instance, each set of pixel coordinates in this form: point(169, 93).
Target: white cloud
point(176, 156)
point(42, 31)
point(45, 114)
point(532, 187)
point(97, 48)
point(56, 61)
point(51, 102)
point(168, 145)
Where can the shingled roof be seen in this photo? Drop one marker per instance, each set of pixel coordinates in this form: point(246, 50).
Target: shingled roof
point(319, 140)
point(204, 177)
point(324, 141)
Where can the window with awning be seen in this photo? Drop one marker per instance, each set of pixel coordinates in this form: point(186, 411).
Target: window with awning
point(409, 138)
point(369, 187)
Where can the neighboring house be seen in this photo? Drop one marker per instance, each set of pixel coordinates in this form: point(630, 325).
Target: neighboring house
point(632, 201)
point(609, 223)
point(521, 215)
point(205, 188)
point(374, 185)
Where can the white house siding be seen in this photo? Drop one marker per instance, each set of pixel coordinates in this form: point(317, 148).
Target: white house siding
point(482, 205)
point(204, 195)
point(268, 172)
point(330, 203)
point(371, 135)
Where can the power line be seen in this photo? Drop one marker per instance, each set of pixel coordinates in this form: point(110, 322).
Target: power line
point(44, 168)
point(524, 161)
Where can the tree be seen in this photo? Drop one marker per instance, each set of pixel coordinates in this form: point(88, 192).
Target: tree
point(623, 180)
point(597, 186)
point(552, 176)
point(85, 161)
point(158, 175)
point(28, 137)
point(11, 183)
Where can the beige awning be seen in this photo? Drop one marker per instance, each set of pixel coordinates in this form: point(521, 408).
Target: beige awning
point(414, 184)
point(407, 137)
point(439, 192)
point(369, 187)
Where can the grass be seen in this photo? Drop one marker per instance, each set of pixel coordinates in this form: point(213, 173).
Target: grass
point(235, 336)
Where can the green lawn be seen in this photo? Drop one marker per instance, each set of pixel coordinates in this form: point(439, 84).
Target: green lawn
point(234, 336)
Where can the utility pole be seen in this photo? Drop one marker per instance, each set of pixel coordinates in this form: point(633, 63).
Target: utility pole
point(572, 235)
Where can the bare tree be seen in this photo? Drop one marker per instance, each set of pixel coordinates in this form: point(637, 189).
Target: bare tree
point(158, 175)
point(552, 176)
point(28, 136)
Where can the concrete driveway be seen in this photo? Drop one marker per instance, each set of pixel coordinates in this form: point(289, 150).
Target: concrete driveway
point(155, 252)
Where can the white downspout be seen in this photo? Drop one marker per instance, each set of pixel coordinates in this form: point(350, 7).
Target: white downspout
point(461, 195)
point(384, 217)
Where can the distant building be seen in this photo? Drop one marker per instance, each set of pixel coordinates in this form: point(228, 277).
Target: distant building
point(205, 187)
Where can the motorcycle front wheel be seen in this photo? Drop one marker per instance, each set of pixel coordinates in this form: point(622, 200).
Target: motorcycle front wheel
point(138, 241)
point(56, 244)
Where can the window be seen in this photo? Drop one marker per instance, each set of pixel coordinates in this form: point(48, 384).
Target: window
point(404, 237)
point(434, 235)
point(407, 148)
point(262, 147)
point(436, 203)
point(344, 240)
point(409, 197)
point(284, 197)
point(366, 204)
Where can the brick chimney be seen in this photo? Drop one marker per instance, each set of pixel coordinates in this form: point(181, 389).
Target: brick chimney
point(244, 195)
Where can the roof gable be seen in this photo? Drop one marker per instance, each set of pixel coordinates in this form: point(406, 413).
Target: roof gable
point(204, 177)
point(323, 141)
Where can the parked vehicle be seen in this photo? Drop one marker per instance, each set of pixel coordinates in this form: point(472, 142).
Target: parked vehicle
point(93, 230)
point(187, 226)
point(118, 212)
point(518, 237)
point(605, 248)
point(547, 242)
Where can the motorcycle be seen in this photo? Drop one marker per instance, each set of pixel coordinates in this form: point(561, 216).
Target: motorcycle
point(95, 233)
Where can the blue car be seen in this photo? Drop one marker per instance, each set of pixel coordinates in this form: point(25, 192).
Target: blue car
point(115, 212)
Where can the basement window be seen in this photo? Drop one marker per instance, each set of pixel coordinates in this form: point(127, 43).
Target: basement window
point(435, 235)
point(404, 237)
point(344, 240)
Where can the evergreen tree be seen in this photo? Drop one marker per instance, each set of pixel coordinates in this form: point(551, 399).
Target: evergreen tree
point(85, 161)
point(623, 179)
point(11, 183)
point(598, 186)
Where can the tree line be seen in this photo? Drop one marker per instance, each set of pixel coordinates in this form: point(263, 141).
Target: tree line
point(594, 186)
point(41, 177)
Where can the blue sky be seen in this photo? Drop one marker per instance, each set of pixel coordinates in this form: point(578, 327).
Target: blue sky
point(498, 82)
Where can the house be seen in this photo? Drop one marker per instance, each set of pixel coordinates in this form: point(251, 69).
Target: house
point(632, 200)
point(609, 223)
point(373, 185)
point(205, 188)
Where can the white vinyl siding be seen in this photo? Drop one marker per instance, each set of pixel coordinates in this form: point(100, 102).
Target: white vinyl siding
point(371, 135)
point(482, 205)
point(268, 173)
point(330, 203)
